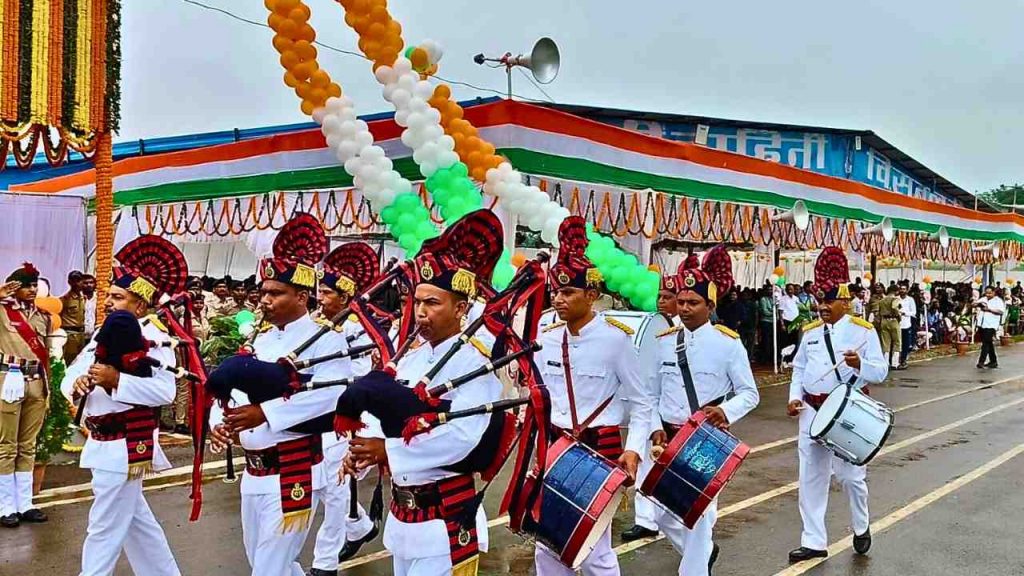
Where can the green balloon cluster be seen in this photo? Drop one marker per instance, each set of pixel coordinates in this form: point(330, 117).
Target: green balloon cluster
point(454, 192)
point(246, 322)
point(623, 273)
point(409, 222)
point(503, 272)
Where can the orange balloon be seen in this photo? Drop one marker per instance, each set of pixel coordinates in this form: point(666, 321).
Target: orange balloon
point(419, 59)
point(282, 44)
point(320, 79)
point(298, 15)
point(274, 21)
point(304, 90)
point(54, 323)
point(50, 304)
point(868, 276)
point(518, 259)
point(779, 271)
point(290, 59)
point(443, 91)
point(290, 80)
point(304, 50)
point(927, 279)
point(977, 279)
point(305, 32)
point(307, 107)
point(334, 90)
point(286, 28)
point(285, 6)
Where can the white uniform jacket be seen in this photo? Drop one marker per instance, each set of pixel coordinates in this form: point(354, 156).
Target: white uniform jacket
point(282, 414)
point(423, 460)
point(131, 392)
point(719, 366)
point(604, 365)
point(812, 366)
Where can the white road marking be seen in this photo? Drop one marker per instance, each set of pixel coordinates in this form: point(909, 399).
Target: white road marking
point(884, 524)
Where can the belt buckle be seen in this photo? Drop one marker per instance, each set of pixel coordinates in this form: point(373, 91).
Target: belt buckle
point(254, 461)
point(405, 499)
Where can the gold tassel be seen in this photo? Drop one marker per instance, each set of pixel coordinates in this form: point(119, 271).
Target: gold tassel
point(304, 276)
point(464, 281)
point(140, 470)
point(295, 521)
point(624, 502)
point(467, 567)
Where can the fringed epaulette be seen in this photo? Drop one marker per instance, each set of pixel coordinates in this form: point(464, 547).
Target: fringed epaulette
point(480, 347)
point(327, 322)
point(862, 322)
point(551, 327)
point(264, 327)
point(155, 321)
point(727, 331)
point(353, 318)
point(612, 321)
point(671, 330)
point(812, 325)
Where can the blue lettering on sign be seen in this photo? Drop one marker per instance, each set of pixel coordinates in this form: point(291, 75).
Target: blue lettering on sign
point(830, 154)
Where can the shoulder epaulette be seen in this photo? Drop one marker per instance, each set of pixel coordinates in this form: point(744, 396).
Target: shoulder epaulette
point(551, 327)
point(669, 331)
point(327, 322)
point(265, 326)
point(155, 321)
point(727, 331)
point(353, 318)
point(629, 331)
point(480, 347)
point(862, 322)
point(812, 325)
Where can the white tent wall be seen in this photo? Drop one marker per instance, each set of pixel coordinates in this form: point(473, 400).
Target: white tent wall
point(47, 230)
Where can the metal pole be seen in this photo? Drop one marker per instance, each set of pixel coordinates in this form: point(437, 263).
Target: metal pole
point(508, 72)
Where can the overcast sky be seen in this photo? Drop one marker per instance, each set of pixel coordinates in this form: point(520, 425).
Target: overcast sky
point(941, 79)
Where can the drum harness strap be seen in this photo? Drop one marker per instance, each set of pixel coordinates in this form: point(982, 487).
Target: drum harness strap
point(684, 367)
point(832, 357)
point(577, 428)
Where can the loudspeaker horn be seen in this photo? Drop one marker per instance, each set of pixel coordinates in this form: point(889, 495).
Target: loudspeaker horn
point(797, 215)
point(991, 248)
point(543, 60)
point(883, 229)
point(941, 236)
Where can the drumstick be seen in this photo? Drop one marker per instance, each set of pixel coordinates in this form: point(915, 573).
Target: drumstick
point(838, 364)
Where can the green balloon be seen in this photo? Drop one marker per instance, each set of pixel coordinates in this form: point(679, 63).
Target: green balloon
point(245, 317)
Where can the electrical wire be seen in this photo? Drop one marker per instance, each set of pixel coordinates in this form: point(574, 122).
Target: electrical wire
point(230, 14)
point(535, 84)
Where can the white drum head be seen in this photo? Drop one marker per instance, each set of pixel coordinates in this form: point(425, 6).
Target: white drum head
point(828, 411)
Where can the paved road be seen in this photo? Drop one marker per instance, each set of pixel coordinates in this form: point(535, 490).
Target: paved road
point(945, 494)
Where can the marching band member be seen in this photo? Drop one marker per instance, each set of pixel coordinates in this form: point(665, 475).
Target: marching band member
point(423, 531)
point(123, 444)
point(646, 511)
point(347, 271)
point(815, 374)
point(591, 370)
point(277, 502)
point(714, 359)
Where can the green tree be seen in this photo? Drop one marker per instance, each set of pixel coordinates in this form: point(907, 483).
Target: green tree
point(1005, 195)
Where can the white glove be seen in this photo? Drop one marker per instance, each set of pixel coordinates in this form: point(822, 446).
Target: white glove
point(13, 386)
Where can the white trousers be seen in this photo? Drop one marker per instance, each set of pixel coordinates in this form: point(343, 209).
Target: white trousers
point(120, 519)
point(817, 465)
point(336, 525)
point(602, 561)
point(270, 551)
point(647, 511)
point(695, 545)
point(429, 566)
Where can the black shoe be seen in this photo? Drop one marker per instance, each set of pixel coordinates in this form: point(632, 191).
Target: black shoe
point(182, 429)
point(34, 515)
point(803, 553)
point(862, 543)
point(980, 366)
point(902, 366)
point(10, 521)
point(713, 559)
point(319, 572)
point(637, 532)
point(992, 365)
point(351, 547)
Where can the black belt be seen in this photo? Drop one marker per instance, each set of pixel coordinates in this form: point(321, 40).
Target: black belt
point(28, 367)
point(74, 329)
point(416, 497)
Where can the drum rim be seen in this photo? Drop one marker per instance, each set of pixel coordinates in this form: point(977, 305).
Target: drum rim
point(673, 448)
point(835, 418)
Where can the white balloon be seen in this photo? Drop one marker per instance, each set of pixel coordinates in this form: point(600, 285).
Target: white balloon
point(385, 198)
point(419, 105)
point(411, 139)
point(370, 154)
point(423, 89)
point(362, 126)
point(447, 142)
point(400, 185)
point(433, 130)
point(385, 75)
point(347, 129)
point(388, 91)
point(364, 139)
point(334, 140)
point(549, 236)
point(417, 121)
point(428, 169)
point(433, 114)
point(401, 97)
point(385, 165)
point(407, 81)
point(347, 149)
point(402, 117)
point(334, 105)
point(347, 115)
point(562, 213)
point(318, 114)
point(447, 158)
point(434, 50)
point(330, 124)
point(353, 164)
point(402, 65)
point(505, 168)
point(493, 176)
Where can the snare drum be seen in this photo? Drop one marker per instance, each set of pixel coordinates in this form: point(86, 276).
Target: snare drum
point(698, 462)
point(852, 425)
point(580, 494)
